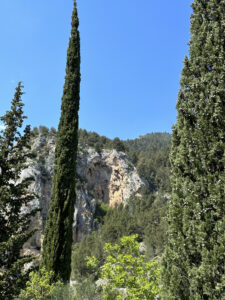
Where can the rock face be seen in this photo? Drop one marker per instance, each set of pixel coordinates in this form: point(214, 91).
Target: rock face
point(109, 177)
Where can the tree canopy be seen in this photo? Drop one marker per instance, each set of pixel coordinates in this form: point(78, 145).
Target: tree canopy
point(194, 260)
point(58, 237)
point(15, 199)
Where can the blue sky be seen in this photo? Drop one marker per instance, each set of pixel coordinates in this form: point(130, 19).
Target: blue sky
point(132, 54)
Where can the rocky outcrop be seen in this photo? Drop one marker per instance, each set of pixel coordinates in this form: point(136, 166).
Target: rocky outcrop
point(108, 176)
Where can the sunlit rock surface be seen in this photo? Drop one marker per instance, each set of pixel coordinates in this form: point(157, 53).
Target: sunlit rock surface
point(108, 176)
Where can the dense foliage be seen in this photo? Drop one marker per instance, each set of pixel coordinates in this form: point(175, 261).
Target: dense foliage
point(94, 140)
point(126, 273)
point(15, 198)
point(153, 166)
point(149, 142)
point(143, 216)
point(57, 243)
point(150, 154)
point(194, 260)
point(40, 287)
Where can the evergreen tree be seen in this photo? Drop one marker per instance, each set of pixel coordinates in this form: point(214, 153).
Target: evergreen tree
point(118, 144)
point(58, 232)
point(14, 198)
point(194, 260)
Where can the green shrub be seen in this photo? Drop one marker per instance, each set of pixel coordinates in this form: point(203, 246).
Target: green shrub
point(100, 212)
point(126, 273)
point(40, 286)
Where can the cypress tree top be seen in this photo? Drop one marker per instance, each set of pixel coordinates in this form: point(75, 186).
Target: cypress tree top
point(194, 260)
point(58, 232)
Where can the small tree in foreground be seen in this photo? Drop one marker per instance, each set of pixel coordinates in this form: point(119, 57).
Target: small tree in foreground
point(126, 274)
point(14, 198)
point(39, 286)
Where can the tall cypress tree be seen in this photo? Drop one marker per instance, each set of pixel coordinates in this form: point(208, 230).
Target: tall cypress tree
point(57, 242)
point(14, 198)
point(194, 260)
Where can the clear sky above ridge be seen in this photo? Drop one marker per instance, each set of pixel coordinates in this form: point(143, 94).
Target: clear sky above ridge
point(132, 54)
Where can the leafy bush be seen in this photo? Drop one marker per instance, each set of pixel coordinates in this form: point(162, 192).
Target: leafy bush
point(40, 286)
point(118, 144)
point(100, 211)
point(126, 274)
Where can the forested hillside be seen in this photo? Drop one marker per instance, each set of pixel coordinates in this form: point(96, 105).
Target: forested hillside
point(149, 153)
point(144, 214)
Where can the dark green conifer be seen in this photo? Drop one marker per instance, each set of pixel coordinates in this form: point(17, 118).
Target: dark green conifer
point(194, 260)
point(58, 232)
point(15, 198)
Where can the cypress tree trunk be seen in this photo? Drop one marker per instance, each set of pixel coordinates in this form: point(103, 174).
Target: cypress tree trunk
point(58, 232)
point(194, 260)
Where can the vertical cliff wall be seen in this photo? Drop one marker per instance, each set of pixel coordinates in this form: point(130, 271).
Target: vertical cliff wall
point(109, 177)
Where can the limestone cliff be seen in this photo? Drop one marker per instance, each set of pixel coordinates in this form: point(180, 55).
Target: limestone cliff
point(108, 176)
